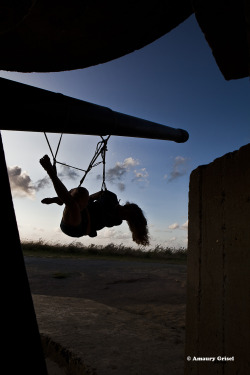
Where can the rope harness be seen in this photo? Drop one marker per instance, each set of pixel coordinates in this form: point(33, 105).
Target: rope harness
point(101, 149)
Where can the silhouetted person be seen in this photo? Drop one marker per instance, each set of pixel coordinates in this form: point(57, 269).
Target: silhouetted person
point(85, 214)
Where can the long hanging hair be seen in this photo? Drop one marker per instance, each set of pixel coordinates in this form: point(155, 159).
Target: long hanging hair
point(137, 224)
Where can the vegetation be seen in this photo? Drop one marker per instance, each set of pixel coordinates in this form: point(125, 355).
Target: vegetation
point(77, 249)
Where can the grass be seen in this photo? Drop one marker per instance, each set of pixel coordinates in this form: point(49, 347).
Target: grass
point(110, 251)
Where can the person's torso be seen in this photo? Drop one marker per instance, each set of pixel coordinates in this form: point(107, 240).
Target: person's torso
point(104, 212)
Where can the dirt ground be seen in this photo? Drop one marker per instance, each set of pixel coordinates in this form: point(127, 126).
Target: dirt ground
point(113, 317)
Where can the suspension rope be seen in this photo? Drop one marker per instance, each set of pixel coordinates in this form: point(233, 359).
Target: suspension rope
point(59, 143)
point(101, 149)
point(103, 154)
point(49, 147)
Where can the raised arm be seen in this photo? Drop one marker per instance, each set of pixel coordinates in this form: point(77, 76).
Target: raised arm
point(59, 187)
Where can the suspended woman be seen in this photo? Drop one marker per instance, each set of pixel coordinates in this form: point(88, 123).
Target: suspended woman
point(85, 214)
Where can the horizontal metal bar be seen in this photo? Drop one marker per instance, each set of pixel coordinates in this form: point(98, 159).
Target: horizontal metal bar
point(27, 108)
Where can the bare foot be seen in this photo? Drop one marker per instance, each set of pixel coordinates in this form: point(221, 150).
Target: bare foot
point(52, 200)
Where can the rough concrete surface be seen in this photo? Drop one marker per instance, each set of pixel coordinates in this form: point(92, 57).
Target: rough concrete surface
point(110, 317)
point(218, 283)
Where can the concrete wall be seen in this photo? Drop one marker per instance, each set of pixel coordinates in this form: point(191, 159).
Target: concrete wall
point(218, 291)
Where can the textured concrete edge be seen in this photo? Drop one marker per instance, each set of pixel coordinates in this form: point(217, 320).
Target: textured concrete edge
point(229, 155)
point(64, 357)
point(217, 276)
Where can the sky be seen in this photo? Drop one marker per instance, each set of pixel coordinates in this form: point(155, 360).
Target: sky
point(174, 81)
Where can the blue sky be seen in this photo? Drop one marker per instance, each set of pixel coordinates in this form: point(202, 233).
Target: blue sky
point(174, 81)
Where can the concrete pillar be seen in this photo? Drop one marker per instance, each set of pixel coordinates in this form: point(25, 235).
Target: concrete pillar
point(21, 349)
point(218, 285)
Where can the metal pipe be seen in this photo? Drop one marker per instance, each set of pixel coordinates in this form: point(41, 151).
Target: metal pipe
point(28, 108)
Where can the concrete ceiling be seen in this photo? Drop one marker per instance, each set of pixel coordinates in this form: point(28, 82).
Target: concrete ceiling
point(58, 35)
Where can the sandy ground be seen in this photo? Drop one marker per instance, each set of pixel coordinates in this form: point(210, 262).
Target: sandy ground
point(113, 317)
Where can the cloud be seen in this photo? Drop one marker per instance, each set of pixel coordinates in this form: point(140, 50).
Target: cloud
point(120, 169)
point(130, 162)
point(179, 168)
point(65, 172)
point(174, 226)
point(117, 174)
point(42, 183)
point(20, 183)
point(185, 225)
point(114, 234)
point(178, 226)
point(121, 186)
point(69, 173)
point(141, 175)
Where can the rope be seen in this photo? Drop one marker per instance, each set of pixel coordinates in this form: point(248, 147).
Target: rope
point(101, 149)
point(49, 147)
point(103, 154)
point(58, 145)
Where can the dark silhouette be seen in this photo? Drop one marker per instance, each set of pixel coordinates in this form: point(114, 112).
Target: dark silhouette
point(85, 214)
